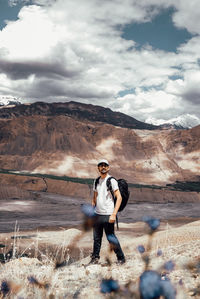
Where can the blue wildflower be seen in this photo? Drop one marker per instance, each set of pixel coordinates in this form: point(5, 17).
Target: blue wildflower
point(88, 210)
point(5, 288)
point(32, 280)
point(141, 249)
point(169, 266)
point(159, 252)
point(168, 290)
point(153, 223)
point(109, 285)
point(152, 286)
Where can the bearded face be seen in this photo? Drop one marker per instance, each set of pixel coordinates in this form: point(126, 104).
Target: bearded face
point(103, 168)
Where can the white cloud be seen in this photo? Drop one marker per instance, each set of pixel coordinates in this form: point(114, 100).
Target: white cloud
point(187, 15)
point(188, 89)
point(73, 50)
point(142, 104)
point(32, 36)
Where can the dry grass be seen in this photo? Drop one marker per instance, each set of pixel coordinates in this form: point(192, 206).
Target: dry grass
point(45, 276)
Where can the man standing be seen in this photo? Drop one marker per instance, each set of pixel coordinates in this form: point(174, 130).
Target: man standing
point(106, 213)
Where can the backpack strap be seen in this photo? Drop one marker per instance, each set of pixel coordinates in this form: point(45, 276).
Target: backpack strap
point(117, 222)
point(96, 182)
point(109, 186)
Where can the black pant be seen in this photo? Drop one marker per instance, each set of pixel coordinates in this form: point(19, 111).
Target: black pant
point(102, 223)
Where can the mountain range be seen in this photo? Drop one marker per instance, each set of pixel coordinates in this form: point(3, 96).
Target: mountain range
point(69, 138)
point(76, 110)
point(185, 121)
point(8, 100)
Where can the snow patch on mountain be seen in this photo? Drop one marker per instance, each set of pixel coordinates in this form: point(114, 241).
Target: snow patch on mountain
point(9, 100)
point(185, 121)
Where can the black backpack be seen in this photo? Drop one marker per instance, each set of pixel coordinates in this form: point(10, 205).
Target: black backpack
point(123, 188)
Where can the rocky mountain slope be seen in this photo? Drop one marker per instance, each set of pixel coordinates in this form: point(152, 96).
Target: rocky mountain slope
point(45, 138)
point(77, 111)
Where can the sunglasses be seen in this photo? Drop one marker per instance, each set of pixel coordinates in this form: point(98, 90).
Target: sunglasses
point(103, 165)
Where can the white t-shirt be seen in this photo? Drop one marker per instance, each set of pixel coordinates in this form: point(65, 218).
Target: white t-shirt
point(104, 202)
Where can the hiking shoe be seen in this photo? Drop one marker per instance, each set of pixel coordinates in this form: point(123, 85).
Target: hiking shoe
point(121, 261)
point(94, 261)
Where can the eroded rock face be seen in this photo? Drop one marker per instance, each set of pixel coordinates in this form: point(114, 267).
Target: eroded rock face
point(63, 145)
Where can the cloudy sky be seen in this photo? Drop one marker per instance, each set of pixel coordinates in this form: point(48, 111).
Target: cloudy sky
point(140, 57)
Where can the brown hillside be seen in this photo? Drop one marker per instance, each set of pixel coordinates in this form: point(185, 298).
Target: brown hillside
point(62, 145)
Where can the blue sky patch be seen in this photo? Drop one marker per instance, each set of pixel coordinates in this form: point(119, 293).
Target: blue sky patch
point(160, 33)
point(123, 93)
point(8, 13)
point(152, 87)
point(176, 77)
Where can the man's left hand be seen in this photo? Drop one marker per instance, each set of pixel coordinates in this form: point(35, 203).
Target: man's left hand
point(112, 218)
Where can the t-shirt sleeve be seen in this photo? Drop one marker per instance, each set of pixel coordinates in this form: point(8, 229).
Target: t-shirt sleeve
point(114, 184)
